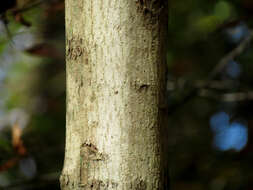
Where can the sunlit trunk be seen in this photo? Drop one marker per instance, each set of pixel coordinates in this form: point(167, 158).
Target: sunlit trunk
point(116, 109)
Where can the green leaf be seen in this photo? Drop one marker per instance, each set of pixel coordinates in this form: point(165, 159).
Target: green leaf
point(222, 10)
point(5, 145)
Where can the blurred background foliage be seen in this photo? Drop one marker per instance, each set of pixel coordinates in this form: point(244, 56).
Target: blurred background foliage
point(32, 95)
point(209, 94)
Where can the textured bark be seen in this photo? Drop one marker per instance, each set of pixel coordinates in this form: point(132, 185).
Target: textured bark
point(115, 120)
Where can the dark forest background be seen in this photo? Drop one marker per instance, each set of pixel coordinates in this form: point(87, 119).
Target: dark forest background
point(210, 93)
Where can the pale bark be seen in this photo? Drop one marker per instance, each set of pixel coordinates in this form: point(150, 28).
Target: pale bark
point(115, 121)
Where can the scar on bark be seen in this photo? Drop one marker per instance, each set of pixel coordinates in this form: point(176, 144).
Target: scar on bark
point(90, 155)
point(143, 87)
point(140, 86)
point(90, 152)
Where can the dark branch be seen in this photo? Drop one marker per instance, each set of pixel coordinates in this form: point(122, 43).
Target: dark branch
point(217, 69)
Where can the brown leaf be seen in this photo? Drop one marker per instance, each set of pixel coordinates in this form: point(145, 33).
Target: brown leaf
point(16, 135)
point(54, 8)
point(9, 164)
point(19, 18)
point(44, 50)
point(17, 142)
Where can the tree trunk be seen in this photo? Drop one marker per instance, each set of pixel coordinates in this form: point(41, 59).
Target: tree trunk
point(116, 108)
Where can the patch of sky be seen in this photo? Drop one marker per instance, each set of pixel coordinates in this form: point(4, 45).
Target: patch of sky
point(2, 74)
point(23, 40)
point(238, 32)
point(219, 122)
point(2, 27)
point(233, 69)
point(28, 167)
point(228, 136)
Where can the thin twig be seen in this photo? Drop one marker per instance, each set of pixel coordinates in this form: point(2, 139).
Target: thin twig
point(182, 83)
point(230, 56)
point(28, 7)
point(227, 97)
point(217, 69)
